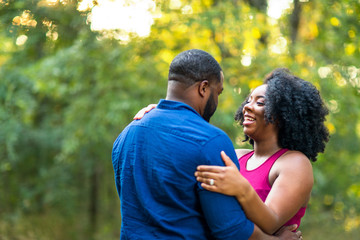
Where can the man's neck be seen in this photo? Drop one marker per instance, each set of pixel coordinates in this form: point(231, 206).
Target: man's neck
point(180, 92)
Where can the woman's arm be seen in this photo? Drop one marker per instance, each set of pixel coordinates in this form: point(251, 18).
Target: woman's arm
point(292, 180)
point(229, 181)
point(290, 190)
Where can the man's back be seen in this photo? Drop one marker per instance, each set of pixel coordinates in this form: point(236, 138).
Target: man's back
point(154, 162)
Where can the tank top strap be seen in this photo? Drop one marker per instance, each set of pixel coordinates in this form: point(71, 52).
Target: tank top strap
point(243, 160)
point(267, 165)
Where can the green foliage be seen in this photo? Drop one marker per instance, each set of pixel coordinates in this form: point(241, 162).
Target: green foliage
point(66, 92)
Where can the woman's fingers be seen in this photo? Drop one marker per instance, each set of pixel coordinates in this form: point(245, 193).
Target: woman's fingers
point(143, 111)
point(228, 162)
point(209, 184)
point(217, 169)
point(299, 234)
point(206, 181)
point(208, 168)
point(290, 228)
point(203, 176)
point(217, 178)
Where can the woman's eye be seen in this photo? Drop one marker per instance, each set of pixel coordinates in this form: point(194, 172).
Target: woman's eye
point(261, 103)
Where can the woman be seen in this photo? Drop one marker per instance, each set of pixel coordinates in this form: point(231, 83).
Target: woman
point(284, 121)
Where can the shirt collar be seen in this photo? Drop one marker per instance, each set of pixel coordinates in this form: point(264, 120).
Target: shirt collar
point(175, 105)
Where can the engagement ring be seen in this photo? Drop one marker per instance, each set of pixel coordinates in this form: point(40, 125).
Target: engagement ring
point(211, 182)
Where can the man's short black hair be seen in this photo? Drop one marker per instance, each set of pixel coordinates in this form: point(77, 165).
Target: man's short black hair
point(295, 106)
point(194, 65)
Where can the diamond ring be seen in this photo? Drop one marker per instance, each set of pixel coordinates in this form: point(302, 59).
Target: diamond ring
point(211, 182)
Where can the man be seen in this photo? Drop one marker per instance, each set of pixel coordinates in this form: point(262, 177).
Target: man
point(155, 159)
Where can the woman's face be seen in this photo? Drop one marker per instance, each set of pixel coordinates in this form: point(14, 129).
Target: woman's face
point(254, 123)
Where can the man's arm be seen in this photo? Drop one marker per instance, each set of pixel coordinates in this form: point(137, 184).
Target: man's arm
point(224, 215)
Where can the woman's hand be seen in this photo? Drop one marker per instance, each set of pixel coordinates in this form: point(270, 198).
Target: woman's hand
point(226, 180)
point(143, 111)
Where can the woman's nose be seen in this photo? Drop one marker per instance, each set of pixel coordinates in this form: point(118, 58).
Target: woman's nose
point(247, 107)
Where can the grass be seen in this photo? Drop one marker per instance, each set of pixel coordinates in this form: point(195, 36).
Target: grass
point(55, 226)
point(323, 226)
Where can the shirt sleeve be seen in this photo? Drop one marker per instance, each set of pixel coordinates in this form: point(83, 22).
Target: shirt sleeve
point(115, 157)
point(224, 215)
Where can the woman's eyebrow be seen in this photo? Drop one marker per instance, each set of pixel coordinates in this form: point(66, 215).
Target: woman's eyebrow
point(260, 96)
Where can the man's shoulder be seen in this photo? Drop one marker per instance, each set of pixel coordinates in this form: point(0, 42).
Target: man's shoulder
point(205, 132)
point(216, 131)
point(183, 123)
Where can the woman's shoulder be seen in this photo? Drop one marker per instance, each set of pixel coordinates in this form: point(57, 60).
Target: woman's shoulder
point(295, 155)
point(242, 152)
point(294, 159)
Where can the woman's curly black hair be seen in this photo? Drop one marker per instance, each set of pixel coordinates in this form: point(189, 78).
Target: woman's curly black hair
point(295, 106)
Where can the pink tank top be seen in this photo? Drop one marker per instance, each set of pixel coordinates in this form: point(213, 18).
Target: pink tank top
point(259, 179)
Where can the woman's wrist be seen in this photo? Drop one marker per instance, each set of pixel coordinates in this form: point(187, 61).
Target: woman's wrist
point(246, 193)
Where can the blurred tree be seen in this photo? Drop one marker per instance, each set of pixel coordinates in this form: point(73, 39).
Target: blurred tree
point(66, 92)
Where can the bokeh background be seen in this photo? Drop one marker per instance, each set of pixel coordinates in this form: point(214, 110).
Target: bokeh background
point(74, 73)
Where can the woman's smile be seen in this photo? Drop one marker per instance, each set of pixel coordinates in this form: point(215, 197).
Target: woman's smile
point(248, 120)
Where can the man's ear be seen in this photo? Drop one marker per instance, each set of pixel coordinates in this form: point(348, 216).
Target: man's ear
point(203, 87)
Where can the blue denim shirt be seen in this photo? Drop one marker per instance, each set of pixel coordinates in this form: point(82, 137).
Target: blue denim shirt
point(154, 162)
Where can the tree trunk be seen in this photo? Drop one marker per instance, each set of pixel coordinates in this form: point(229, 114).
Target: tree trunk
point(294, 21)
point(260, 5)
point(93, 205)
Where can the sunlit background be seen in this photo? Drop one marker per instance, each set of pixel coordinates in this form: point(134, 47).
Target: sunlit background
point(73, 74)
point(121, 19)
point(137, 16)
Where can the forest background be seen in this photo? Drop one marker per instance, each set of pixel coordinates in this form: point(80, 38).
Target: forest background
point(68, 86)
